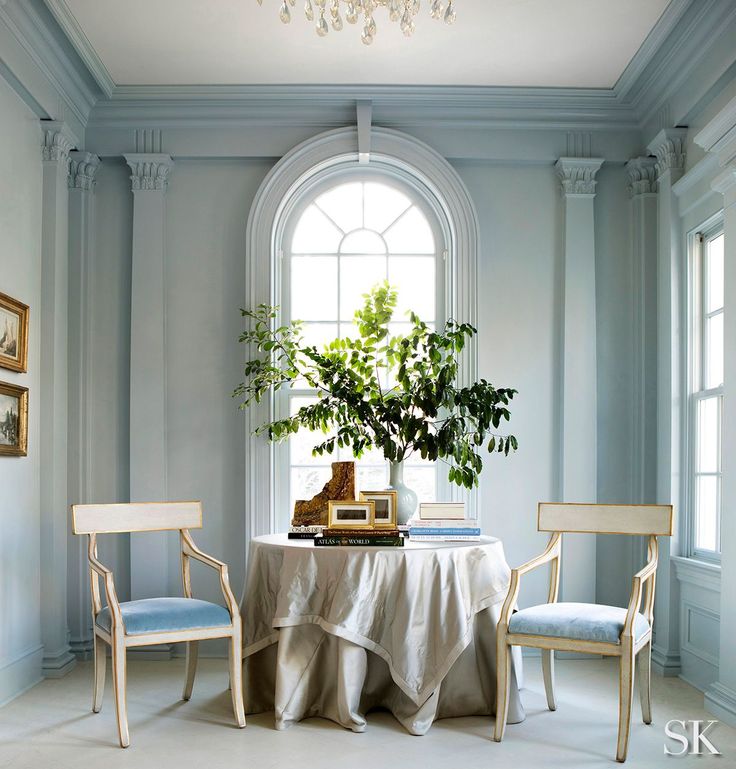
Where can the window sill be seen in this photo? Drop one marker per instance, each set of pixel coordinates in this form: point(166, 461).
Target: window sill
point(695, 572)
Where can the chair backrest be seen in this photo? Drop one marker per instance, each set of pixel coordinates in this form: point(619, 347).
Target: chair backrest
point(605, 519)
point(136, 516)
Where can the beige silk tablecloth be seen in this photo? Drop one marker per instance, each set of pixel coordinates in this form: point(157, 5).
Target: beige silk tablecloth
point(337, 631)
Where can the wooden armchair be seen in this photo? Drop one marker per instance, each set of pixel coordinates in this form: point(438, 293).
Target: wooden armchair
point(580, 627)
point(155, 620)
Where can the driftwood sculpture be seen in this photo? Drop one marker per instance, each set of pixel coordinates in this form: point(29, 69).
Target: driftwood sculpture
point(313, 512)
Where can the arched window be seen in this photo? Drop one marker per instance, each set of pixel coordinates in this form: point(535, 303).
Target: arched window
point(322, 228)
point(346, 234)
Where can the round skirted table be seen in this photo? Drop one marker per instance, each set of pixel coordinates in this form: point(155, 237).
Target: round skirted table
point(339, 631)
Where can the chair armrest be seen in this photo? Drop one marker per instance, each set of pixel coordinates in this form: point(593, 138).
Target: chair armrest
point(98, 569)
point(190, 550)
point(641, 578)
point(551, 553)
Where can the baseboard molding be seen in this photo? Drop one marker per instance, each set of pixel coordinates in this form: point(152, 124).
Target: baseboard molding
point(82, 649)
point(20, 674)
point(58, 664)
point(665, 662)
point(721, 701)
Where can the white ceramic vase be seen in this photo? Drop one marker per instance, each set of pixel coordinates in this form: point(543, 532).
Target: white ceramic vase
point(407, 498)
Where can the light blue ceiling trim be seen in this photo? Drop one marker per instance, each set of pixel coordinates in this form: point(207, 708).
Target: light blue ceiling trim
point(681, 38)
point(42, 66)
point(656, 38)
point(83, 46)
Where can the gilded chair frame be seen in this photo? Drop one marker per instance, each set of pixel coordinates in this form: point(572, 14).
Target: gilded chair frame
point(145, 517)
point(559, 518)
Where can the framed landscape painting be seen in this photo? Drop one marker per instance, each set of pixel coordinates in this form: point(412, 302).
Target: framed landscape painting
point(13, 420)
point(13, 334)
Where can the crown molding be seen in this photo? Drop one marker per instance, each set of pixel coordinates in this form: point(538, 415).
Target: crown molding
point(48, 31)
point(719, 136)
point(41, 65)
point(699, 30)
point(393, 106)
point(665, 26)
point(82, 45)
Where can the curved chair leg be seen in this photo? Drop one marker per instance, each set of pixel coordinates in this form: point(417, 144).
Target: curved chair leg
point(548, 671)
point(626, 695)
point(645, 682)
point(192, 656)
point(98, 689)
point(118, 678)
point(236, 677)
point(503, 682)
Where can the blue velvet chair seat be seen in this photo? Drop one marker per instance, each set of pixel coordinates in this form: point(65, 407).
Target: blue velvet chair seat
point(159, 615)
point(581, 621)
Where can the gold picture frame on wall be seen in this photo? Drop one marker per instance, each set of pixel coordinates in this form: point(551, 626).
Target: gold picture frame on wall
point(351, 514)
point(13, 334)
point(386, 504)
point(13, 420)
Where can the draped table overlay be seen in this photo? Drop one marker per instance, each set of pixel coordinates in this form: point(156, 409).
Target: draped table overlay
point(336, 632)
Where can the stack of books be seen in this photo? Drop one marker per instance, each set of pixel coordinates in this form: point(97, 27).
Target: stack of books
point(305, 532)
point(444, 530)
point(359, 538)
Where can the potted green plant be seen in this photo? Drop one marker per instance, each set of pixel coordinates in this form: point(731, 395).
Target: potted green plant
point(398, 394)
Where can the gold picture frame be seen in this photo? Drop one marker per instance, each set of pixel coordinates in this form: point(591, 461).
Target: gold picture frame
point(13, 334)
point(13, 420)
point(351, 514)
point(386, 507)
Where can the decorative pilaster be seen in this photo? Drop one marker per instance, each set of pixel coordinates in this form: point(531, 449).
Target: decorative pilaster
point(719, 137)
point(82, 169)
point(148, 461)
point(56, 143)
point(669, 148)
point(578, 469)
point(643, 189)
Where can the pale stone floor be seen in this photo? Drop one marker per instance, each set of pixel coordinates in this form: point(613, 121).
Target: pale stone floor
point(51, 727)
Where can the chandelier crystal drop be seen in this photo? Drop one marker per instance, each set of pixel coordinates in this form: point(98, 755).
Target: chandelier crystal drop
point(402, 12)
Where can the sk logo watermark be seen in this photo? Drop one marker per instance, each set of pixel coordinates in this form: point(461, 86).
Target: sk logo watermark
point(691, 740)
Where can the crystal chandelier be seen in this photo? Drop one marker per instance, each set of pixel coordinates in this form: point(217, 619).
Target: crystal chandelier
point(401, 11)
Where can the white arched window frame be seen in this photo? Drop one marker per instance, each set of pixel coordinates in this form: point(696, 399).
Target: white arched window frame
point(322, 160)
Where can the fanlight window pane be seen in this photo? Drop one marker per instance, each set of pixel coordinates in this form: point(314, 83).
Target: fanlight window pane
point(411, 234)
point(350, 238)
point(714, 351)
point(306, 482)
point(357, 275)
point(415, 278)
point(301, 444)
point(315, 234)
point(714, 291)
point(371, 477)
point(708, 443)
point(383, 205)
point(363, 242)
point(706, 512)
point(344, 205)
point(314, 287)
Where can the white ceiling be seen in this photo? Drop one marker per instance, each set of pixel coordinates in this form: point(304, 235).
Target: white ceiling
point(565, 43)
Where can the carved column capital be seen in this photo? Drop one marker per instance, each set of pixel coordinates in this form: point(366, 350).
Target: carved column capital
point(150, 171)
point(56, 142)
point(643, 175)
point(669, 147)
point(82, 169)
point(577, 175)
